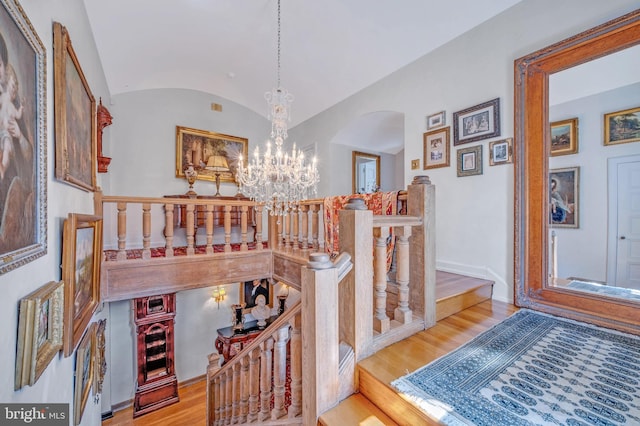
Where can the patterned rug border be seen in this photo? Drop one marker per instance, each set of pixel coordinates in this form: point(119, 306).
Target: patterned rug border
point(440, 409)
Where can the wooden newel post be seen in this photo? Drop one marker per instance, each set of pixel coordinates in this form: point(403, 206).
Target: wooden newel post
point(421, 202)
point(356, 290)
point(320, 384)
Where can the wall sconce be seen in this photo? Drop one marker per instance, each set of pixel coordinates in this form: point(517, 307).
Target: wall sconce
point(218, 295)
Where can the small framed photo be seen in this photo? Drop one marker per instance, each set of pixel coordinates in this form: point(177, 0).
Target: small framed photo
point(470, 161)
point(75, 116)
point(564, 137)
point(39, 332)
point(622, 126)
point(85, 371)
point(563, 197)
point(477, 123)
point(81, 249)
point(501, 152)
point(436, 149)
point(436, 120)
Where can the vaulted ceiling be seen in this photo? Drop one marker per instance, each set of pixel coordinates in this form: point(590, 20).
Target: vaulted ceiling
point(330, 49)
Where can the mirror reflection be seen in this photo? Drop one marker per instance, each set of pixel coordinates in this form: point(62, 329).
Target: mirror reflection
point(594, 176)
point(366, 172)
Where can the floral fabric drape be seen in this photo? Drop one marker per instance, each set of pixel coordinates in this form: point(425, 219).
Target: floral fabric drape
point(381, 203)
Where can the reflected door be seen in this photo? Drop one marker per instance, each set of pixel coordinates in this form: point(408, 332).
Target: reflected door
point(628, 243)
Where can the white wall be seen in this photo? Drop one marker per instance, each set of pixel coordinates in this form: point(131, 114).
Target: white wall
point(590, 261)
point(474, 233)
point(56, 383)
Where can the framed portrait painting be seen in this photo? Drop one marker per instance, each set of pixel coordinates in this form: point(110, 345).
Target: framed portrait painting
point(39, 332)
point(436, 148)
point(81, 248)
point(563, 197)
point(564, 137)
point(75, 116)
point(477, 122)
point(469, 161)
point(622, 126)
point(209, 153)
point(23, 140)
point(501, 152)
point(249, 290)
point(84, 373)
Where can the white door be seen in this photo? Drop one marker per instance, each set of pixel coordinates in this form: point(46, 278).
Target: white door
point(628, 224)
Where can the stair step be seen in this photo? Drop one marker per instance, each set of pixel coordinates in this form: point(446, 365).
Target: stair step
point(355, 411)
point(455, 293)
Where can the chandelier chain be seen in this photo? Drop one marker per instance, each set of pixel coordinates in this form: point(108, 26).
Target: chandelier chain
point(278, 69)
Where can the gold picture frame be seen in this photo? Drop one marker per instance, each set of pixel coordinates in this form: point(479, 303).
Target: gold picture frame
point(84, 373)
point(23, 235)
point(436, 148)
point(81, 250)
point(501, 152)
point(75, 116)
point(100, 358)
point(622, 126)
point(195, 147)
point(39, 332)
point(564, 137)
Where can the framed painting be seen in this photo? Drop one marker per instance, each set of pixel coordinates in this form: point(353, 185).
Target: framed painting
point(100, 358)
point(249, 290)
point(84, 373)
point(75, 116)
point(39, 332)
point(23, 143)
point(564, 137)
point(469, 161)
point(203, 149)
point(622, 126)
point(563, 197)
point(81, 248)
point(436, 149)
point(477, 123)
point(501, 152)
point(436, 120)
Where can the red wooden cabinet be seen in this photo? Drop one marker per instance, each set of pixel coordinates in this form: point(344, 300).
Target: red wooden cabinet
point(157, 384)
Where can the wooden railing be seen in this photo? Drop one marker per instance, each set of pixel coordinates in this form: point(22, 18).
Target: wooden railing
point(249, 390)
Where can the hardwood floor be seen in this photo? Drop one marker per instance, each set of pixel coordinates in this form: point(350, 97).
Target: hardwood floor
point(191, 410)
point(383, 367)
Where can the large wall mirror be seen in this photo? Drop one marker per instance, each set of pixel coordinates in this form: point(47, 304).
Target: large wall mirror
point(365, 173)
point(577, 121)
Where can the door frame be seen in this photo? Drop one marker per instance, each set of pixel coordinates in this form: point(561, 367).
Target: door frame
point(612, 212)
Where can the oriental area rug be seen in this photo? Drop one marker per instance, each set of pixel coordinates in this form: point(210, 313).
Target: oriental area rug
point(533, 369)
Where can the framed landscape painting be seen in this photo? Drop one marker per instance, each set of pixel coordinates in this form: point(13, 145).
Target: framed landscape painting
point(23, 171)
point(564, 137)
point(477, 122)
point(81, 249)
point(85, 373)
point(197, 147)
point(622, 126)
point(75, 116)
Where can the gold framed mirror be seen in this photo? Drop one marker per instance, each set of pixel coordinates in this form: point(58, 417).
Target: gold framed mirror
point(365, 175)
point(538, 285)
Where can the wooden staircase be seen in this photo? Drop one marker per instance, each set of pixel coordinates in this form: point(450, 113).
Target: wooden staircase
point(463, 310)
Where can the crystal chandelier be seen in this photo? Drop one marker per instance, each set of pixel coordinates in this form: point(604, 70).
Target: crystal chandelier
point(278, 179)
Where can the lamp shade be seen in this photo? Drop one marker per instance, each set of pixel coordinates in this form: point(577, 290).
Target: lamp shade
point(217, 163)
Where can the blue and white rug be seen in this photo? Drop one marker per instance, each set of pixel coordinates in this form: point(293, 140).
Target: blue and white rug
point(533, 368)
